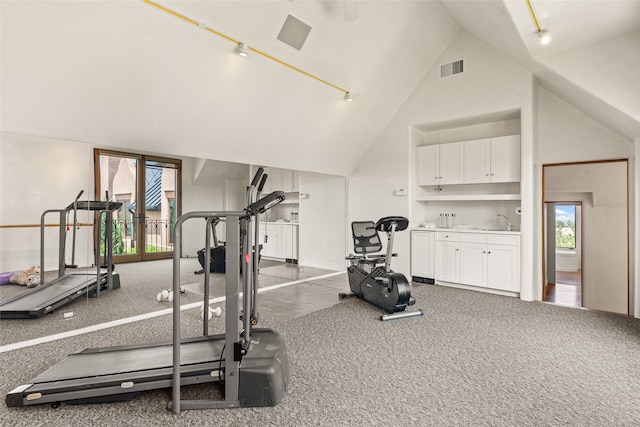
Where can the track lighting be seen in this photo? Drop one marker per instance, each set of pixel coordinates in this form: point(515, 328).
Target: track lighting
point(243, 50)
point(544, 37)
point(348, 97)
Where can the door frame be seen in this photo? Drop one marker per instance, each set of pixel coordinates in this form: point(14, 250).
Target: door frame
point(141, 255)
point(543, 229)
point(545, 225)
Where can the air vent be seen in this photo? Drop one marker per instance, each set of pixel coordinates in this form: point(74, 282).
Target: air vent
point(455, 67)
point(294, 32)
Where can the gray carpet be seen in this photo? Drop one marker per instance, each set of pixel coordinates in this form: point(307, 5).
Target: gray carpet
point(473, 359)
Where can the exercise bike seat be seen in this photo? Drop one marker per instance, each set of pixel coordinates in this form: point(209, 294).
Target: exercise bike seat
point(385, 224)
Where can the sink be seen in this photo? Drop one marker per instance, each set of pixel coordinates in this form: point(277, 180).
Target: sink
point(474, 228)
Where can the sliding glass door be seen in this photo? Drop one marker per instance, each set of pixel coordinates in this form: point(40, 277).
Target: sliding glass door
point(149, 189)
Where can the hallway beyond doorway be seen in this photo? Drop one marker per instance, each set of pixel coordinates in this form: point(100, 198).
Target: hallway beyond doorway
point(567, 290)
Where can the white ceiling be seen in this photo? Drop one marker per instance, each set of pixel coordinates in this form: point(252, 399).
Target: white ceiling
point(127, 75)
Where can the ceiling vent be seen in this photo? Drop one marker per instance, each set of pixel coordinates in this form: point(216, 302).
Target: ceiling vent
point(294, 32)
point(455, 67)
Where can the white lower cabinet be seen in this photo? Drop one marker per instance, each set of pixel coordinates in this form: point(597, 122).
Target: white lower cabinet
point(448, 257)
point(477, 259)
point(473, 264)
point(502, 268)
point(423, 255)
point(279, 240)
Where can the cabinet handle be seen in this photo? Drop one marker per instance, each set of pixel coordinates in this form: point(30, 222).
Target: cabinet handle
point(484, 252)
point(457, 249)
point(489, 252)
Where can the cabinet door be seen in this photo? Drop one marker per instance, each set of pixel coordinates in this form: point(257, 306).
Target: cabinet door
point(505, 159)
point(423, 254)
point(279, 238)
point(473, 264)
point(428, 161)
point(291, 242)
point(263, 235)
point(477, 161)
point(452, 163)
point(290, 181)
point(448, 261)
point(274, 180)
point(502, 268)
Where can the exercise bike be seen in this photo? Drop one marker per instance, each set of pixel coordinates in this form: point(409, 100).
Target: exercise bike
point(370, 274)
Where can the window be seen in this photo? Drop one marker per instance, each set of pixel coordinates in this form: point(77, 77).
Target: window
point(149, 188)
point(566, 226)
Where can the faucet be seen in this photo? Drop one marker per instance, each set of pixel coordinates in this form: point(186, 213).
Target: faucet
point(509, 226)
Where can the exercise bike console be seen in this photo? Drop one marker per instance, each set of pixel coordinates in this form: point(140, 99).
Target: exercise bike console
point(370, 274)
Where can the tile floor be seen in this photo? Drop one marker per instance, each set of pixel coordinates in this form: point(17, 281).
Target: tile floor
point(291, 301)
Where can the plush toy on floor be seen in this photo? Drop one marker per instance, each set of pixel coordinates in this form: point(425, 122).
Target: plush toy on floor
point(167, 295)
point(29, 278)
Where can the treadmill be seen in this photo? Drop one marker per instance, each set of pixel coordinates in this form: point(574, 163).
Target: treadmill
point(66, 288)
point(251, 362)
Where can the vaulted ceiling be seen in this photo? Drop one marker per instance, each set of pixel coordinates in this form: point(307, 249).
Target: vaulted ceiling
point(127, 74)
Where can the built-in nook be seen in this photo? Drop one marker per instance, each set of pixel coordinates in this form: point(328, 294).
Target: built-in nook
point(466, 202)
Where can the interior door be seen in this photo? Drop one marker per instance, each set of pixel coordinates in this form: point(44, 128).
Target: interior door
point(149, 189)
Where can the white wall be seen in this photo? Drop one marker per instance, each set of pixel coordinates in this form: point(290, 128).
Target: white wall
point(322, 230)
point(609, 70)
point(37, 174)
point(490, 83)
point(565, 134)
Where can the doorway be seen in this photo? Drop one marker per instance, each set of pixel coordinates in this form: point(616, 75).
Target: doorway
point(149, 189)
point(599, 191)
point(563, 228)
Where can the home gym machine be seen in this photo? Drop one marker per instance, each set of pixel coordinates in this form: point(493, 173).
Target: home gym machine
point(370, 274)
point(66, 288)
point(252, 362)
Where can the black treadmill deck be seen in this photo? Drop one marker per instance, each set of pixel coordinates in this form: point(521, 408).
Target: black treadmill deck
point(100, 374)
point(53, 295)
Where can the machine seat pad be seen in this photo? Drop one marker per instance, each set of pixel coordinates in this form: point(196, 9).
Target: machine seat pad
point(384, 224)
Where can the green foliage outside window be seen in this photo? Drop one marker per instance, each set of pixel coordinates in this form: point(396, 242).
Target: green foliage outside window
point(566, 226)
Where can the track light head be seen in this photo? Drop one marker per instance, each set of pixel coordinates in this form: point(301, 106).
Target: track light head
point(243, 49)
point(544, 37)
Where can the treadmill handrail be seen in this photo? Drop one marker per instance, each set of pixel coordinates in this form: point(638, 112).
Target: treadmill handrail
point(232, 272)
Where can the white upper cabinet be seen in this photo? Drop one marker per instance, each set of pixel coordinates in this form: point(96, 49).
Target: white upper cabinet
point(428, 165)
point(290, 179)
point(477, 161)
point(492, 160)
point(440, 164)
point(274, 180)
point(286, 180)
point(505, 159)
point(451, 163)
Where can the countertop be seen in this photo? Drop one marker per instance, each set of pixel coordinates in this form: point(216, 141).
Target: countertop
point(279, 222)
point(465, 230)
